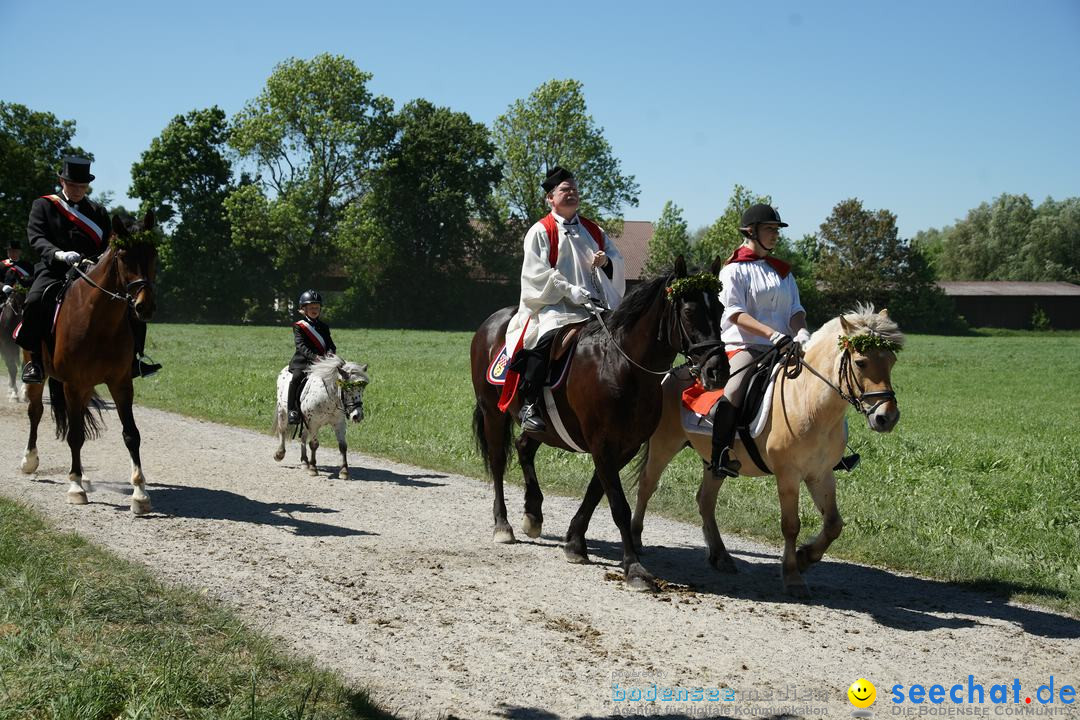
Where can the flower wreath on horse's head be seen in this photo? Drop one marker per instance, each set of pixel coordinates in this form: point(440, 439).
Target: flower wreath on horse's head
point(866, 342)
point(347, 385)
point(702, 282)
point(143, 237)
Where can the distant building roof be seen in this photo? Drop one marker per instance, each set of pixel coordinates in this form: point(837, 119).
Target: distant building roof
point(634, 246)
point(1006, 288)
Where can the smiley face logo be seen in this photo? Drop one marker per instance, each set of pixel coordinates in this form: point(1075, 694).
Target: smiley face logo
point(862, 693)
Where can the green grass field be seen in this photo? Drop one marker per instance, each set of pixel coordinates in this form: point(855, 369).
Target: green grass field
point(85, 635)
point(979, 483)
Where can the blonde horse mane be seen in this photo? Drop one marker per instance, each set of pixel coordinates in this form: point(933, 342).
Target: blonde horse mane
point(327, 369)
point(865, 321)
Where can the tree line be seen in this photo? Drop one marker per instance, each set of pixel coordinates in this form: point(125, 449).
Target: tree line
point(857, 255)
point(317, 181)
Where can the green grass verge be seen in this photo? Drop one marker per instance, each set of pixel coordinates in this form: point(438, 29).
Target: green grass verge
point(979, 483)
point(85, 635)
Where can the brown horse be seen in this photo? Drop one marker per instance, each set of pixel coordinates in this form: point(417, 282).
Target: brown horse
point(609, 403)
point(802, 439)
point(94, 345)
point(10, 317)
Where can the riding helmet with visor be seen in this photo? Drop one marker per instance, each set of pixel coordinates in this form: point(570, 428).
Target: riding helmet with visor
point(308, 297)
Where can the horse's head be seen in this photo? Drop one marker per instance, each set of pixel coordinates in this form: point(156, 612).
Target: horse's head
point(697, 313)
point(353, 379)
point(135, 249)
point(869, 343)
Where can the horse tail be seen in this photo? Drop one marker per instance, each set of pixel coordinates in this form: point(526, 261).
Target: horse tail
point(638, 464)
point(91, 421)
point(480, 436)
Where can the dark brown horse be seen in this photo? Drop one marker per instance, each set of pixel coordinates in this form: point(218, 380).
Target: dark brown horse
point(609, 403)
point(10, 317)
point(94, 345)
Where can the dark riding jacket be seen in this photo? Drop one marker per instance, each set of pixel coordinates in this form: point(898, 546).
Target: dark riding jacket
point(50, 230)
point(313, 341)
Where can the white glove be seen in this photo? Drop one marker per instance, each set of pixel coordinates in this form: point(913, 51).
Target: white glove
point(6, 289)
point(802, 337)
point(69, 256)
point(578, 295)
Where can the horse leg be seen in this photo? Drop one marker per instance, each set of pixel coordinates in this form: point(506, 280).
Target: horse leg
point(787, 486)
point(313, 443)
point(76, 436)
point(494, 426)
point(533, 521)
point(719, 557)
point(823, 491)
point(343, 448)
point(659, 451)
point(281, 428)
point(303, 447)
point(636, 576)
point(34, 409)
point(123, 395)
point(574, 548)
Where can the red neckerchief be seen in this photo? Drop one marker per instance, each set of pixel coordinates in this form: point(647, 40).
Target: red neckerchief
point(745, 254)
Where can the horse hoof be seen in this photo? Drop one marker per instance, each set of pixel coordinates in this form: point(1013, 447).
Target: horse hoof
point(798, 591)
point(279, 455)
point(575, 557)
point(312, 471)
point(531, 525)
point(76, 498)
point(29, 463)
point(140, 507)
point(87, 485)
point(724, 564)
point(639, 579)
point(503, 535)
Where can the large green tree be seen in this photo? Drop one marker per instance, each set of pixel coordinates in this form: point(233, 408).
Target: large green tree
point(314, 135)
point(429, 217)
point(553, 127)
point(1010, 239)
point(861, 258)
point(670, 239)
point(185, 176)
point(32, 145)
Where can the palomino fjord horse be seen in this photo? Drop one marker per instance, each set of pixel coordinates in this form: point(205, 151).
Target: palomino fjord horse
point(802, 440)
point(94, 345)
point(609, 403)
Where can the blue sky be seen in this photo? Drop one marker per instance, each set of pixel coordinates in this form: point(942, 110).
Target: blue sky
point(924, 108)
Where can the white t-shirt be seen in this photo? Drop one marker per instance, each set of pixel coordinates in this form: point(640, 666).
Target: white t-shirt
point(757, 289)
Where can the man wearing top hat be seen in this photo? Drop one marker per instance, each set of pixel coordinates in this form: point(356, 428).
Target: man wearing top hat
point(569, 262)
point(16, 271)
point(65, 228)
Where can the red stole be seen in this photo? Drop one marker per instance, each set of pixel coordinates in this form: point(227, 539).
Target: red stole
point(745, 254)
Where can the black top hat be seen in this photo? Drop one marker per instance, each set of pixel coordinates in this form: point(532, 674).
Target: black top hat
point(76, 170)
point(555, 176)
point(15, 245)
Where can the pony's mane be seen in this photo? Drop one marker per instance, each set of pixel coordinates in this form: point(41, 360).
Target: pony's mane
point(634, 304)
point(327, 369)
point(865, 321)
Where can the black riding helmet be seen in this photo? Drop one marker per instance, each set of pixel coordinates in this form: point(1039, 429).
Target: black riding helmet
point(308, 297)
point(760, 213)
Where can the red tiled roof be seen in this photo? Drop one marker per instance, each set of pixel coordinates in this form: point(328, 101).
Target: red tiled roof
point(634, 246)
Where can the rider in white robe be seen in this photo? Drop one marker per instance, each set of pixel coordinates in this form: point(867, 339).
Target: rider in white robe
point(555, 296)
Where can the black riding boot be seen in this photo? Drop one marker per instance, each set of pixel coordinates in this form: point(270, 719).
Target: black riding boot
point(723, 440)
point(532, 365)
point(848, 462)
point(29, 338)
point(531, 421)
point(294, 398)
point(139, 366)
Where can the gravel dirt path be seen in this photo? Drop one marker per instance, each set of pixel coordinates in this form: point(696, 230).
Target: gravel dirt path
point(390, 576)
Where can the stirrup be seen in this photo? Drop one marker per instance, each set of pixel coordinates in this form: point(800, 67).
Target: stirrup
point(295, 418)
point(531, 420)
point(32, 373)
point(726, 465)
point(141, 368)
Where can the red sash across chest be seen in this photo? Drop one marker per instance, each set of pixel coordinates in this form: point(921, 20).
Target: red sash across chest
point(312, 334)
point(552, 227)
point(84, 223)
point(10, 265)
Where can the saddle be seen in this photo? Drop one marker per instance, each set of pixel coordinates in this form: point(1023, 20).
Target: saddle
point(559, 356)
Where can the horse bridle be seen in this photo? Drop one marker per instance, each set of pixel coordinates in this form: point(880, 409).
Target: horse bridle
point(687, 346)
point(846, 378)
point(130, 290)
